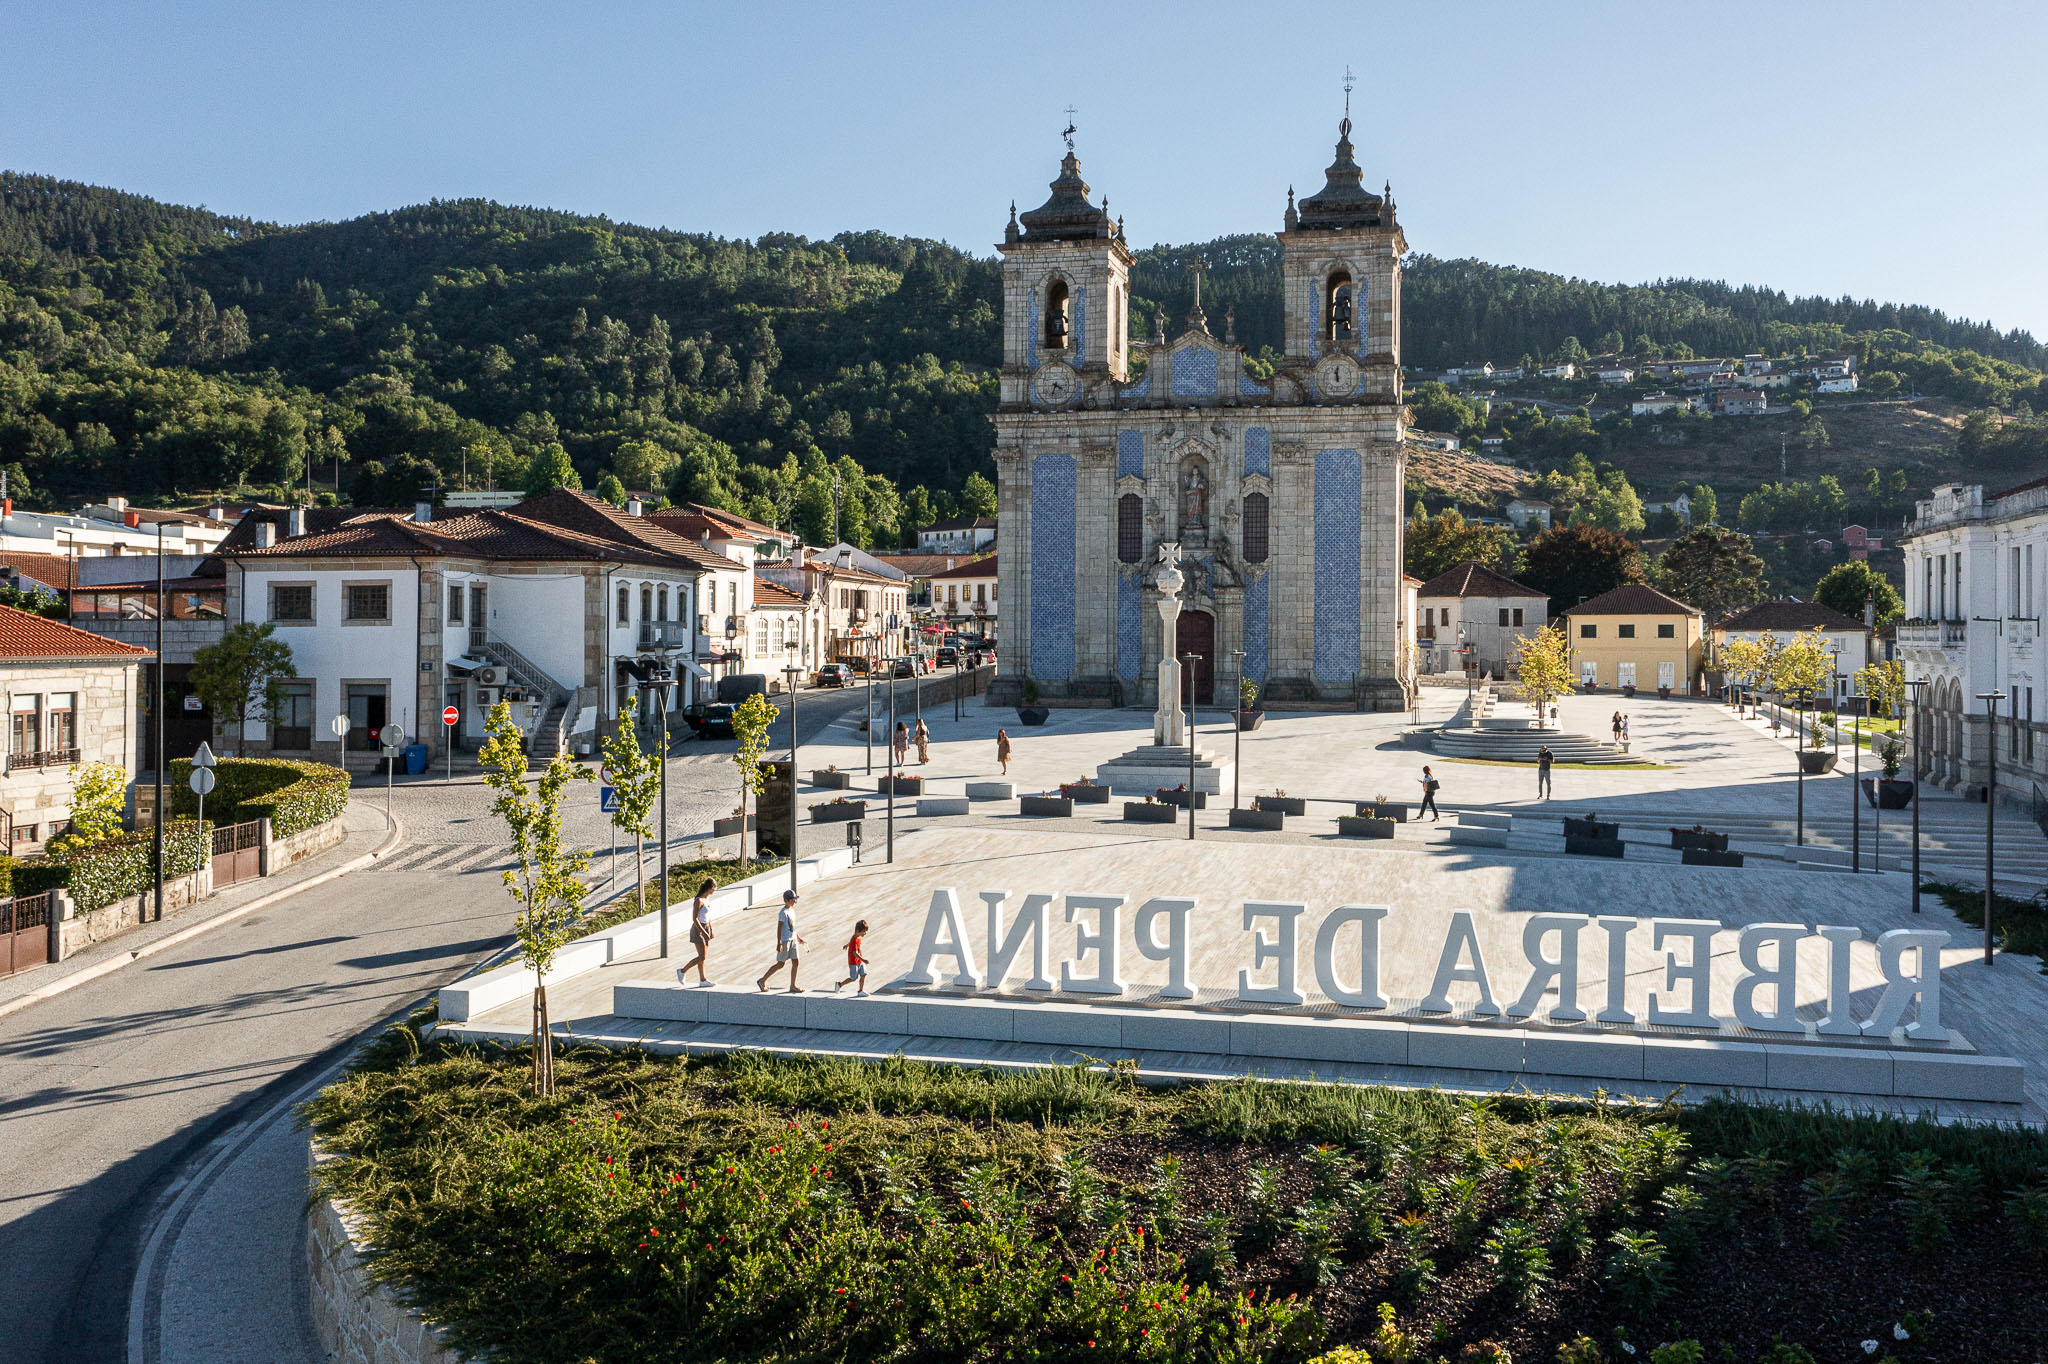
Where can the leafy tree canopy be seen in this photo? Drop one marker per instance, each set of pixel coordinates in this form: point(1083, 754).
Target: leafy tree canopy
point(1572, 564)
point(1714, 569)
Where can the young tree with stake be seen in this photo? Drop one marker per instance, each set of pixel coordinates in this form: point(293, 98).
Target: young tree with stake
point(544, 878)
point(750, 721)
point(636, 780)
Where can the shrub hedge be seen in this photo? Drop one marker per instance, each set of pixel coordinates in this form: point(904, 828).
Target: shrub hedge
point(294, 796)
point(103, 872)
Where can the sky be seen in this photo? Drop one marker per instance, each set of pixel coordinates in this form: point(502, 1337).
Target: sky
point(1890, 151)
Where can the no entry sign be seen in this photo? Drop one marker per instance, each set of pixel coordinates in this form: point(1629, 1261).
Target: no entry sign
point(450, 716)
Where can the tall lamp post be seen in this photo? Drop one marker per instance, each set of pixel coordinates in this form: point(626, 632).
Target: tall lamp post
point(869, 728)
point(1799, 758)
point(1237, 719)
point(1188, 662)
point(793, 672)
point(1913, 895)
point(890, 831)
point(1990, 700)
point(663, 679)
point(156, 851)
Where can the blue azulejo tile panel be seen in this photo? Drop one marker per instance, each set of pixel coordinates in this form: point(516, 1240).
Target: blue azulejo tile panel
point(1339, 483)
point(1194, 373)
point(1130, 636)
point(1315, 323)
point(1141, 389)
point(1255, 628)
point(1358, 317)
point(1250, 388)
point(1052, 567)
point(1031, 332)
point(1258, 450)
point(1080, 326)
point(1130, 454)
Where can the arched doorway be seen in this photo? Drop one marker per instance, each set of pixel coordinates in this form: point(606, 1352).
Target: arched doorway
point(1197, 635)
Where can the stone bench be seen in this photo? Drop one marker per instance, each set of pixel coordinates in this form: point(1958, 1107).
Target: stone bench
point(942, 805)
point(1484, 819)
point(991, 790)
point(1477, 837)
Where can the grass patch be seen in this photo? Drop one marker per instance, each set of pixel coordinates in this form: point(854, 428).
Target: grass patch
point(1566, 767)
point(751, 1208)
point(2022, 925)
point(683, 878)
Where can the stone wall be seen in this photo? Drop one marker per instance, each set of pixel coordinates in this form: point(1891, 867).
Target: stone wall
point(282, 852)
point(110, 920)
point(359, 1322)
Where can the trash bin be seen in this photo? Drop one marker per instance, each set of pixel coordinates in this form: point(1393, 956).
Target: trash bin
point(415, 759)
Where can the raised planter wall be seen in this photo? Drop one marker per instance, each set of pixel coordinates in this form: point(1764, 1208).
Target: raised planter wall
point(358, 1320)
point(1058, 806)
point(1257, 819)
point(1085, 793)
point(1595, 847)
point(1364, 826)
point(1286, 805)
point(1147, 812)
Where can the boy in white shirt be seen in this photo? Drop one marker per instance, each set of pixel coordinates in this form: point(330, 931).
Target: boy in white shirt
point(788, 943)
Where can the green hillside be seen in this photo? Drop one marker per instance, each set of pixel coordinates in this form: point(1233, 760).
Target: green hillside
point(162, 351)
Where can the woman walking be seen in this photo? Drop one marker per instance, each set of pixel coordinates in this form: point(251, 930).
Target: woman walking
point(1003, 750)
point(1617, 729)
point(900, 741)
point(700, 933)
point(1429, 789)
point(924, 743)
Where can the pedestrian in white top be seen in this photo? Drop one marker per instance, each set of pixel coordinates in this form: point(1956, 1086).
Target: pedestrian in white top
point(700, 933)
point(788, 944)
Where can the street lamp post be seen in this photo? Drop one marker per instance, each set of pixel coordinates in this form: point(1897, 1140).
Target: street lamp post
point(1237, 740)
point(1799, 759)
point(156, 854)
point(1990, 700)
point(869, 728)
point(793, 672)
point(890, 832)
point(1188, 668)
point(1913, 895)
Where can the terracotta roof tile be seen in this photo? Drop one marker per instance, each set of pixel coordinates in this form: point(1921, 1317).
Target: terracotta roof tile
point(26, 636)
point(1789, 613)
point(973, 568)
point(774, 595)
point(1471, 579)
point(1632, 599)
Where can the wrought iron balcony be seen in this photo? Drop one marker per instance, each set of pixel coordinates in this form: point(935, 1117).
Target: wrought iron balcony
point(53, 757)
point(664, 634)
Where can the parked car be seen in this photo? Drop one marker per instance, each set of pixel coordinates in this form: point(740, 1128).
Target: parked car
point(949, 656)
point(902, 668)
point(835, 675)
point(713, 719)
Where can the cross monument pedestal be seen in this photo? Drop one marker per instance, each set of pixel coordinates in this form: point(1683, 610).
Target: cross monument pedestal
point(1164, 761)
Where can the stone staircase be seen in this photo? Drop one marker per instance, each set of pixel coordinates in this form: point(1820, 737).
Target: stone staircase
point(1520, 745)
point(550, 736)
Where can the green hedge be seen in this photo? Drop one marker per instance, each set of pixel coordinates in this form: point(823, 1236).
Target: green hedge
point(104, 872)
point(293, 796)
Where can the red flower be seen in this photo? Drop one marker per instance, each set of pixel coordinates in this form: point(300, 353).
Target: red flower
point(616, 1115)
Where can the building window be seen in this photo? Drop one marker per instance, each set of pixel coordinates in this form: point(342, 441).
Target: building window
point(625, 604)
point(60, 729)
point(646, 601)
point(24, 833)
point(1342, 304)
point(367, 603)
point(455, 603)
point(661, 602)
point(25, 738)
point(291, 603)
point(291, 728)
point(1518, 615)
point(761, 634)
point(1130, 528)
point(368, 706)
point(1589, 632)
point(1667, 632)
point(1503, 615)
point(1058, 315)
point(1257, 518)
point(1625, 631)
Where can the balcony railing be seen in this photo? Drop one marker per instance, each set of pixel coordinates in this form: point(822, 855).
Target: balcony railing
point(54, 757)
point(664, 634)
point(1934, 634)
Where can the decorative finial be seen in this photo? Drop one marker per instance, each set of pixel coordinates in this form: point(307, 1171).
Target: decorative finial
point(1198, 268)
point(1344, 128)
point(1119, 227)
point(1068, 132)
point(1230, 325)
point(1293, 218)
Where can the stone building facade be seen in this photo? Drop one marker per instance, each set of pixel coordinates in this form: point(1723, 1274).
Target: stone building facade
point(1283, 491)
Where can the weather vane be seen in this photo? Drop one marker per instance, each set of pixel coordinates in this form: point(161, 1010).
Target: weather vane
point(1068, 131)
point(1347, 98)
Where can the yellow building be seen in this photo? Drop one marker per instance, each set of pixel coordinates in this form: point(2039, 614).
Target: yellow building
point(1636, 636)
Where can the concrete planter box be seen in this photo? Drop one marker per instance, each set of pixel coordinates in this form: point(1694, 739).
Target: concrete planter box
point(1257, 819)
point(1596, 847)
point(1592, 828)
point(838, 811)
point(1085, 792)
point(1707, 857)
point(1033, 715)
point(1059, 807)
point(1688, 840)
point(899, 786)
point(1286, 805)
point(1364, 826)
point(1147, 812)
point(1180, 798)
point(1888, 793)
point(835, 781)
point(1663, 693)
point(1376, 810)
point(726, 828)
point(942, 805)
point(1815, 762)
point(991, 790)
point(1249, 720)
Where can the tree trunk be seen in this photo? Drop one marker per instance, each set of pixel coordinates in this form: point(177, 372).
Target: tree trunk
point(640, 872)
point(544, 1055)
point(743, 827)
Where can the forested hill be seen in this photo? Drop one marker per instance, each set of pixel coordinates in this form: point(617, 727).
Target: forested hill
point(154, 349)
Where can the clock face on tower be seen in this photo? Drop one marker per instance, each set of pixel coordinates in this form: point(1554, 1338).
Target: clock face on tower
point(1055, 385)
point(1337, 377)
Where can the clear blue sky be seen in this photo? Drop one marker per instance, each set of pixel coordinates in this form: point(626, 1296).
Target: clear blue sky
point(1882, 150)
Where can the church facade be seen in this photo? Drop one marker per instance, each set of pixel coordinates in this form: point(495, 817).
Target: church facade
point(1284, 493)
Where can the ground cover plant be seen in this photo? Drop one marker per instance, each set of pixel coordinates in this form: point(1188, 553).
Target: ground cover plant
point(2019, 925)
point(817, 1209)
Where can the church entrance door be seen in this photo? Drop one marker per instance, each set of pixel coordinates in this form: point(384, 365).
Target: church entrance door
point(1196, 634)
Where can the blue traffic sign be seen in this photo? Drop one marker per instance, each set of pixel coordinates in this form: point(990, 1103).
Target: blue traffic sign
point(608, 799)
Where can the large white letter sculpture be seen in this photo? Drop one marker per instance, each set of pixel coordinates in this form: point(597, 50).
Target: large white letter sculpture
point(945, 935)
point(1102, 943)
point(1004, 948)
point(1367, 995)
point(1174, 951)
point(1279, 950)
point(1462, 938)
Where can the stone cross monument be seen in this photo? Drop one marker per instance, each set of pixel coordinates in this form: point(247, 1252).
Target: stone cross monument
point(1168, 725)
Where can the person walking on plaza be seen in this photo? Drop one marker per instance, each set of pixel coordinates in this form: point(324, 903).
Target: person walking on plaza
point(856, 960)
point(700, 933)
point(900, 741)
point(1618, 727)
point(1003, 750)
point(1429, 790)
point(1543, 761)
point(788, 945)
point(924, 743)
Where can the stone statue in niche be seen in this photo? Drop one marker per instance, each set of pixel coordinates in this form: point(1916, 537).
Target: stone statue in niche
point(1194, 499)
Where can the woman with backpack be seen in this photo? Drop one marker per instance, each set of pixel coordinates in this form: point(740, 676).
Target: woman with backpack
point(1429, 790)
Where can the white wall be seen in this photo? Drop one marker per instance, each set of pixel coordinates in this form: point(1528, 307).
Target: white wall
point(330, 651)
point(541, 616)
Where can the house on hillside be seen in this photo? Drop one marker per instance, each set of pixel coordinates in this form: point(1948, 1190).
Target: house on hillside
point(1836, 383)
point(1657, 404)
point(72, 698)
point(1753, 365)
point(1741, 402)
point(958, 535)
point(1562, 369)
point(1521, 511)
point(1612, 372)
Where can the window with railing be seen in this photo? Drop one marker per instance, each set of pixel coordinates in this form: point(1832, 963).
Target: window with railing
point(291, 603)
point(60, 723)
point(25, 728)
point(366, 603)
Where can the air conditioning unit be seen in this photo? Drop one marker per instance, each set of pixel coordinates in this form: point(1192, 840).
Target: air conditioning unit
point(487, 696)
point(490, 677)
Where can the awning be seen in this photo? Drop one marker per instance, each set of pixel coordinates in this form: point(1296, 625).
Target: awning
point(697, 670)
point(465, 665)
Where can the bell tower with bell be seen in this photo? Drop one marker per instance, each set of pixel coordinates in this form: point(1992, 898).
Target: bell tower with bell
point(1341, 250)
point(1066, 296)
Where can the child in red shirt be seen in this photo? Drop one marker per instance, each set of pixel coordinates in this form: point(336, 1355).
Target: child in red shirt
point(856, 960)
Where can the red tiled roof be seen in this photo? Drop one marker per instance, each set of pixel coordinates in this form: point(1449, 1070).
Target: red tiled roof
point(54, 570)
point(774, 595)
point(919, 565)
point(1471, 579)
point(973, 568)
point(26, 636)
point(1633, 599)
point(1788, 613)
